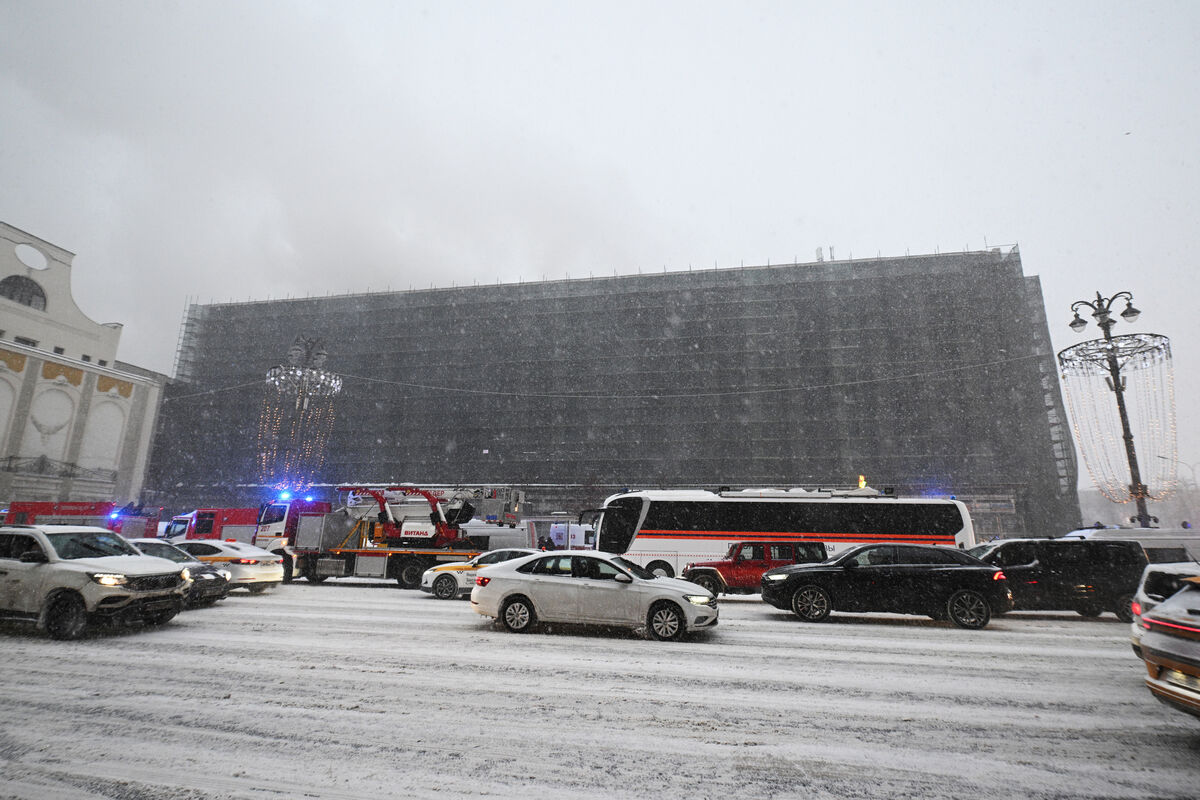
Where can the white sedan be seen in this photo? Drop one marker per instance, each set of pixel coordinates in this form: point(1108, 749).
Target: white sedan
point(456, 579)
point(590, 588)
point(252, 567)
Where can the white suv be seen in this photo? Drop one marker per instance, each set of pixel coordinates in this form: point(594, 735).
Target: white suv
point(63, 576)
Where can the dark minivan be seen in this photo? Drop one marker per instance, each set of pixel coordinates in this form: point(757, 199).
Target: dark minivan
point(1089, 577)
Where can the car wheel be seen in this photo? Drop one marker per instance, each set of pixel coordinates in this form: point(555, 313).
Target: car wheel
point(661, 569)
point(409, 574)
point(517, 615)
point(811, 603)
point(968, 609)
point(708, 581)
point(445, 587)
point(258, 588)
point(1123, 608)
point(66, 618)
point(1090, 610)
point(665, 622)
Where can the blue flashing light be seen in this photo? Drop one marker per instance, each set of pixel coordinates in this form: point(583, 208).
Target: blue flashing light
point(308, 499)
point(113, 515)
point(285, 495)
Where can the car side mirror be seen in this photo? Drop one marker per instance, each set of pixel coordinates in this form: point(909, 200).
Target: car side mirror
point(33, 557)
point(851, 564)
point(621, 577)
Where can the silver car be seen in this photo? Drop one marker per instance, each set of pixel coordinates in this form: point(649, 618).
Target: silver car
point(590, 588)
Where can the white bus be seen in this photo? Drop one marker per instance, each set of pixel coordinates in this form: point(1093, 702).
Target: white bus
point(664, 530)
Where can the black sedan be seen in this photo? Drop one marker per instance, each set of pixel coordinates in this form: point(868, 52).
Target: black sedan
point(940, 582)
point(209, 583)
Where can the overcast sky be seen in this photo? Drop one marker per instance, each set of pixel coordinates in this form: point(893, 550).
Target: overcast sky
point(209, 151)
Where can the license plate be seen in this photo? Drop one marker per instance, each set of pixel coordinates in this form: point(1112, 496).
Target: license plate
point(1182, 679)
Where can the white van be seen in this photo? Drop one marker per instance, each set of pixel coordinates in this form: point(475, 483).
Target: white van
point(1162, 545)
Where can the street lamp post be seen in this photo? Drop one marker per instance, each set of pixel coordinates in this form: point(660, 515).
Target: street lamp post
point(1101, 312)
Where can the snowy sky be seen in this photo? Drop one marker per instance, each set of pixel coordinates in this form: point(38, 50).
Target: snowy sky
point(210, 151)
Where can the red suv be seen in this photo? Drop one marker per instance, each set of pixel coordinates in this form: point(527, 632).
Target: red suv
point(741, 571)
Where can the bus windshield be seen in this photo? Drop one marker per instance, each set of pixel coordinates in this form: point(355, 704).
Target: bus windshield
point(618, 523)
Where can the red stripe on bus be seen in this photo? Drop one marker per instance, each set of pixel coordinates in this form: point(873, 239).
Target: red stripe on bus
point(808, 537)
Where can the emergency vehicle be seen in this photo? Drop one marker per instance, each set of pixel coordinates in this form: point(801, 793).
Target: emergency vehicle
point(131, 521)
point(392, 532)
point(214, 523)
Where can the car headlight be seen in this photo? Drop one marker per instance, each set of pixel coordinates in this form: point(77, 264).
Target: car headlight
point(226, 574)
point(185, 574)
point(698, 599)
point(775, 577)
point(108, 578)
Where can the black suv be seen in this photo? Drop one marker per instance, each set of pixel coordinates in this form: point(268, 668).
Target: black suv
point(1069, 574)
point(941, 582)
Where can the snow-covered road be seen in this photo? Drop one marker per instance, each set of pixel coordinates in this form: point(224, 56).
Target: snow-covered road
point(360, 690)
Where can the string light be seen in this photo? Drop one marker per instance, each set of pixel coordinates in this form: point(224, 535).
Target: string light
point(1147, 374)
point(297, 416)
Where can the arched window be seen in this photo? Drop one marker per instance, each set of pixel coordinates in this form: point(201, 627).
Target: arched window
point(24, 291)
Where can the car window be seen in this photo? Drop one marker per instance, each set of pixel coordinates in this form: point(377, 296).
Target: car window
point(809, 552)
point(1013, 554)
point(922, 555)
point(163, 550)
point(1067, 552)
point(554, 565)
point(199, 549)
point(14, 545)
point(873, 556)
point(490, 558)
point(1120, 554)
point(90, 544)
point(781, 552)
point(751, 552)
point(594, 569)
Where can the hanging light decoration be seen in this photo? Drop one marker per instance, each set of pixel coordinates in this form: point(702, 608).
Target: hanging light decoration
point(1144, 380)
point(297, 416)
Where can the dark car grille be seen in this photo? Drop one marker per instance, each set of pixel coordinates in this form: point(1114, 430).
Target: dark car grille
point(150, 583)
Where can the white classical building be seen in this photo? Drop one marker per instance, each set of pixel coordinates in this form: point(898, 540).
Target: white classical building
point(75, 423)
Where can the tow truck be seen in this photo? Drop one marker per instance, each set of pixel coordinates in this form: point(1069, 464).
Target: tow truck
point(392, 532)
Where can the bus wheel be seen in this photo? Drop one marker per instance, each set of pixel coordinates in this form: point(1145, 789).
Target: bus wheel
point(661, 569)
point(408, 576)
point(811, 603)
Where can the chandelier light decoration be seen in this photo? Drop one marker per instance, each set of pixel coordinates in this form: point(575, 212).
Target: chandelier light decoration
point(296, 417)
point(1121, 390)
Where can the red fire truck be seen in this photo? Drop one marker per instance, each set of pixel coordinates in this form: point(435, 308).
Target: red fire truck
point(214, 523)
point(131, 521)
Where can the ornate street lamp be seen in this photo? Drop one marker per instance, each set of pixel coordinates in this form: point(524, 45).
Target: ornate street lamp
point(1115, 358)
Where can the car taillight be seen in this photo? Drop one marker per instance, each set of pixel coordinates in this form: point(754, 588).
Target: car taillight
point(246, 561)
point(482, 581)
point(1136, 607)
point(999, 576)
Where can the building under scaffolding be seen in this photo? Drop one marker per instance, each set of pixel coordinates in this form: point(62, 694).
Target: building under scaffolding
point(932, 374)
